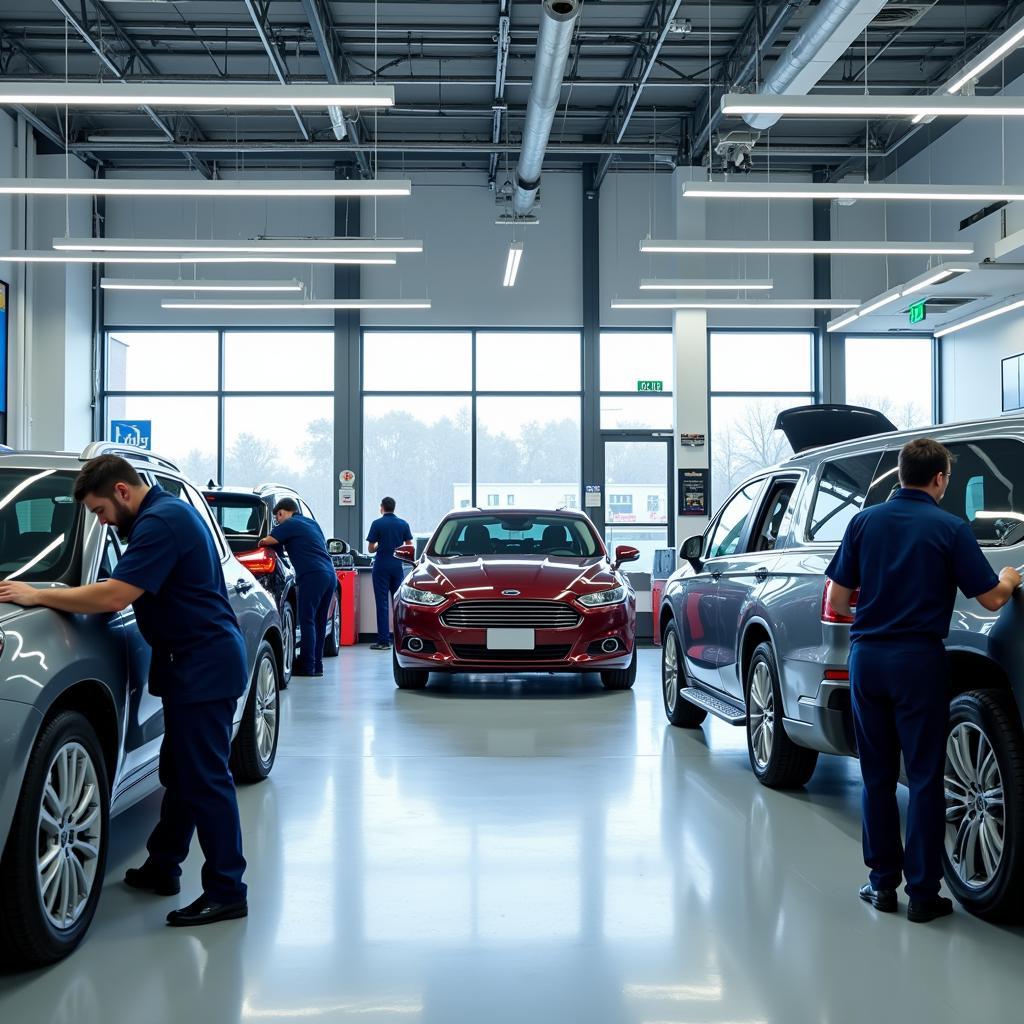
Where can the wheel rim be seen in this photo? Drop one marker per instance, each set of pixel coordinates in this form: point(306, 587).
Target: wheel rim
point(69, 835)
point(336, 627)
point(670, 672)
point(975, 808)
point(289, 641)
point(761, 715)
point(266, 709)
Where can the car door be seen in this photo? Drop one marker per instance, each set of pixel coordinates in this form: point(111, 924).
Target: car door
point(699, 615)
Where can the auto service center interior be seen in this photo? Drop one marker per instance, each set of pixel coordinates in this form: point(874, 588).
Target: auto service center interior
point(553, 276)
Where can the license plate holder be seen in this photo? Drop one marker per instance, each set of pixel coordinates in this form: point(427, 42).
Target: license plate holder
point(511, 640)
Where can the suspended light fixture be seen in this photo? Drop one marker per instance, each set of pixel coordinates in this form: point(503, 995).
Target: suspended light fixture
point(658, 284)
point(762, 247)
point(734, 304)
point(48, 256)
point(295, 304)
point(1007, 306)
point(148, 284)
point(241, 245)
point(860, 107)
point(515, 257)
point(192, 188)
point(857, 190)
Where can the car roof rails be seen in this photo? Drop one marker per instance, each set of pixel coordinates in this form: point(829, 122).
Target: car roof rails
point(97, 448)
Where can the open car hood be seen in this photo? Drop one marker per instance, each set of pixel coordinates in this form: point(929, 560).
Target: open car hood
point(814, 426)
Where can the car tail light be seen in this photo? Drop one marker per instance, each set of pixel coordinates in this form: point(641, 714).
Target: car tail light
point(827, 612)
point(837, 675)
point(260, 562)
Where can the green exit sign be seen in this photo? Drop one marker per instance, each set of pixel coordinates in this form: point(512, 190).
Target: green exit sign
point(649, 385)
point(917, 312)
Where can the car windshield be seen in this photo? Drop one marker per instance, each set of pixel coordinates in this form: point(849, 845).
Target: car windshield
point(542, 534)
point(242, 517)
point(39, 525)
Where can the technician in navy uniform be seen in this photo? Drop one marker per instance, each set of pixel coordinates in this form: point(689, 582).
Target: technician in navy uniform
point(386, 534)
point(317, 582)
point(171, 574)
point(907, 557)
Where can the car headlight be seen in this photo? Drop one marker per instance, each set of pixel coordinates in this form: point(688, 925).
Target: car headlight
point(410, 595)
point(603, 597)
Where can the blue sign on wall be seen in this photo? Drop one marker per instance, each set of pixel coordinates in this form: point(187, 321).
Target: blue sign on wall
point(132, 433)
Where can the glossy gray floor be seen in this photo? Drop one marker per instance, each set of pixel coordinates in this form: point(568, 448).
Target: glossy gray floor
point(530, 850)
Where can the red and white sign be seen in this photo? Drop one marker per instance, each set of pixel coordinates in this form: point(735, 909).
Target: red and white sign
point(347, 478)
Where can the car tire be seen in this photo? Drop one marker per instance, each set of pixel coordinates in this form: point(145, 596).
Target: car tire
point(332, 645)
point(30, 934)
point(673, 681)
point(289, 634)
point(621, 678)
point(985, 739)
point(255, 747)
point(775, 759)
point(408, 678)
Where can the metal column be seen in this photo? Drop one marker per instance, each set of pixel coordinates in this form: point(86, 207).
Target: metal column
point(593, 450)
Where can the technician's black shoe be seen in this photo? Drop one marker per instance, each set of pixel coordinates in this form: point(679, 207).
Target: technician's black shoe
point(317, 675)
point(149, 879)
point(883, 900)
point(302, 673)
point(207, 911)
point(380, 647)
point(923, 911)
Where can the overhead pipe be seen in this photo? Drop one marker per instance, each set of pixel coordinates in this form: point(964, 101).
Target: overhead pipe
point(557, 22)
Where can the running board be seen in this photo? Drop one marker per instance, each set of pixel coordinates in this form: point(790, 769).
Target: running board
point(728, 712)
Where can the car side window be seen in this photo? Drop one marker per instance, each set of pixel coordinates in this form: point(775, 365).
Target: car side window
point(842, 489)
point(773, 515)
point(986, 489)
point(109, 559)
point(306, 510)
point(732, 521)
point(202, 506)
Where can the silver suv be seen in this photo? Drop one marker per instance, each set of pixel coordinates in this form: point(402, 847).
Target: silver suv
point(79, 732)
point(749, 635)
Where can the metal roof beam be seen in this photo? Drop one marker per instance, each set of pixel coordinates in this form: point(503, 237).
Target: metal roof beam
point(500, 74)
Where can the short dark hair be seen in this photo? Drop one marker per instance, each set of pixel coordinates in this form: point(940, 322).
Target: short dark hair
point(920, 461)
point(98, 476)
point(286, 505)
point(388, 504)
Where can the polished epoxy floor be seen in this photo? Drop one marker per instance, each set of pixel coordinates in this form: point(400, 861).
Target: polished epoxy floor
point(529, 850)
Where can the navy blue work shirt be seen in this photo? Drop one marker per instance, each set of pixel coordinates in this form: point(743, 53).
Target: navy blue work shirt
point(388, 532)
point(907, 556)
point(184, 614)
point(304, 541)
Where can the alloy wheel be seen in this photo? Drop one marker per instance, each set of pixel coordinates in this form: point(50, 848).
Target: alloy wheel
point(762, 715)
point(289, 643)
point(670, 673)
point(975, 808)
point(69, 835)
point(266, 709)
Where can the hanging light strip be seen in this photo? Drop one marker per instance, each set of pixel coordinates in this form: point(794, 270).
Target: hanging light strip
point(515, 257)
point(734, 304)
point(193, 94)
point(220, 188)
point(1007, 306)
point(48, 256)
point(295, 304)
point(241, 245)
point(851, 191)
point(857, 106)
point(173, 284)
point(763, 247)
point(711, 284)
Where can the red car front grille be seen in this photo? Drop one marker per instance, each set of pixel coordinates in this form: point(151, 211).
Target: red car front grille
point(511, 614)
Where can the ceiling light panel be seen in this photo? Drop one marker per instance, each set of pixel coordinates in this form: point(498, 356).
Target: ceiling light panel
point(295, 304)
point(762, 247)
point(852, 191)
point(733, 304)
point(241, 245)
point(714, 284)
point(48, 256)
point(1009, 306)
point(220, 188)
point(172, 284)
point(858, 106)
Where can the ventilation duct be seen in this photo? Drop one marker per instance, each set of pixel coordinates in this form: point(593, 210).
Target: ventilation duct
point(557, 22)
point(834, 25)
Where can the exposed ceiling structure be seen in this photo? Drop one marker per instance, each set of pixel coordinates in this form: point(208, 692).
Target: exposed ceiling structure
point(640, 82)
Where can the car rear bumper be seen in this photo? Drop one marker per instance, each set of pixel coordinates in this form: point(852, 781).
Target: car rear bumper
point(825, 721)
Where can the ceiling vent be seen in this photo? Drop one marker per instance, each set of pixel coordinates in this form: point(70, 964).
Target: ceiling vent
point(901, 15)
point(949, 303)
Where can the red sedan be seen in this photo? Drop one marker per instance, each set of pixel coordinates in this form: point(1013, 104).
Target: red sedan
point(517, 590)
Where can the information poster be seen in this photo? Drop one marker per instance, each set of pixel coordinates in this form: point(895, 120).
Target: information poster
point(693, 492)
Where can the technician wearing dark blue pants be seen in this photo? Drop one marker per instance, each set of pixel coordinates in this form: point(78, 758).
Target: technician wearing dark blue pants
point(907, 557)
point(386, 533)
point(171, 574)
point(315, 579)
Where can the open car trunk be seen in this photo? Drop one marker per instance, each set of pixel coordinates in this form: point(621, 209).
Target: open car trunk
point(814, 426)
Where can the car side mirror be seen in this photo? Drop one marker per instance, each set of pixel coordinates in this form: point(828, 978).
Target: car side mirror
point(338, 547)
point(624, 553)
point(691, 551)
point(406, 553)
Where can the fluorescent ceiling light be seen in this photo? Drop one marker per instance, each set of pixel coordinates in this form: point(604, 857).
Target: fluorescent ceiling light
point(515, 257)
point(178, 187)
point(851, 190)
point(193, 94)
point(711, 284)
point(173, 284)
point(858, 106)
point(48, 256)
point(297, 304)
point(516, 221)
point(959, 325)
point(995, 51)
point(937, 278)
point(734, 304)
point(242, 245)
point(763, 247)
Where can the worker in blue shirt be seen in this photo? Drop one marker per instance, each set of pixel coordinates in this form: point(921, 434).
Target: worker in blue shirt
point(907, 558)
point(315, 578)
point(171, 574)
point(386, 533)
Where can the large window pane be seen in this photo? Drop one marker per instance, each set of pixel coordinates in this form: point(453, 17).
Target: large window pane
point(636, 497)
point(630, 357)
point(282, 440)
point(279, 360)
point(162, 361)
point(417, 361)
point(622, 412)
point(527, 361)
point(416, 450)
point(184, 430)
point(528, 448)
point(761, 361)
point(892, 375)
